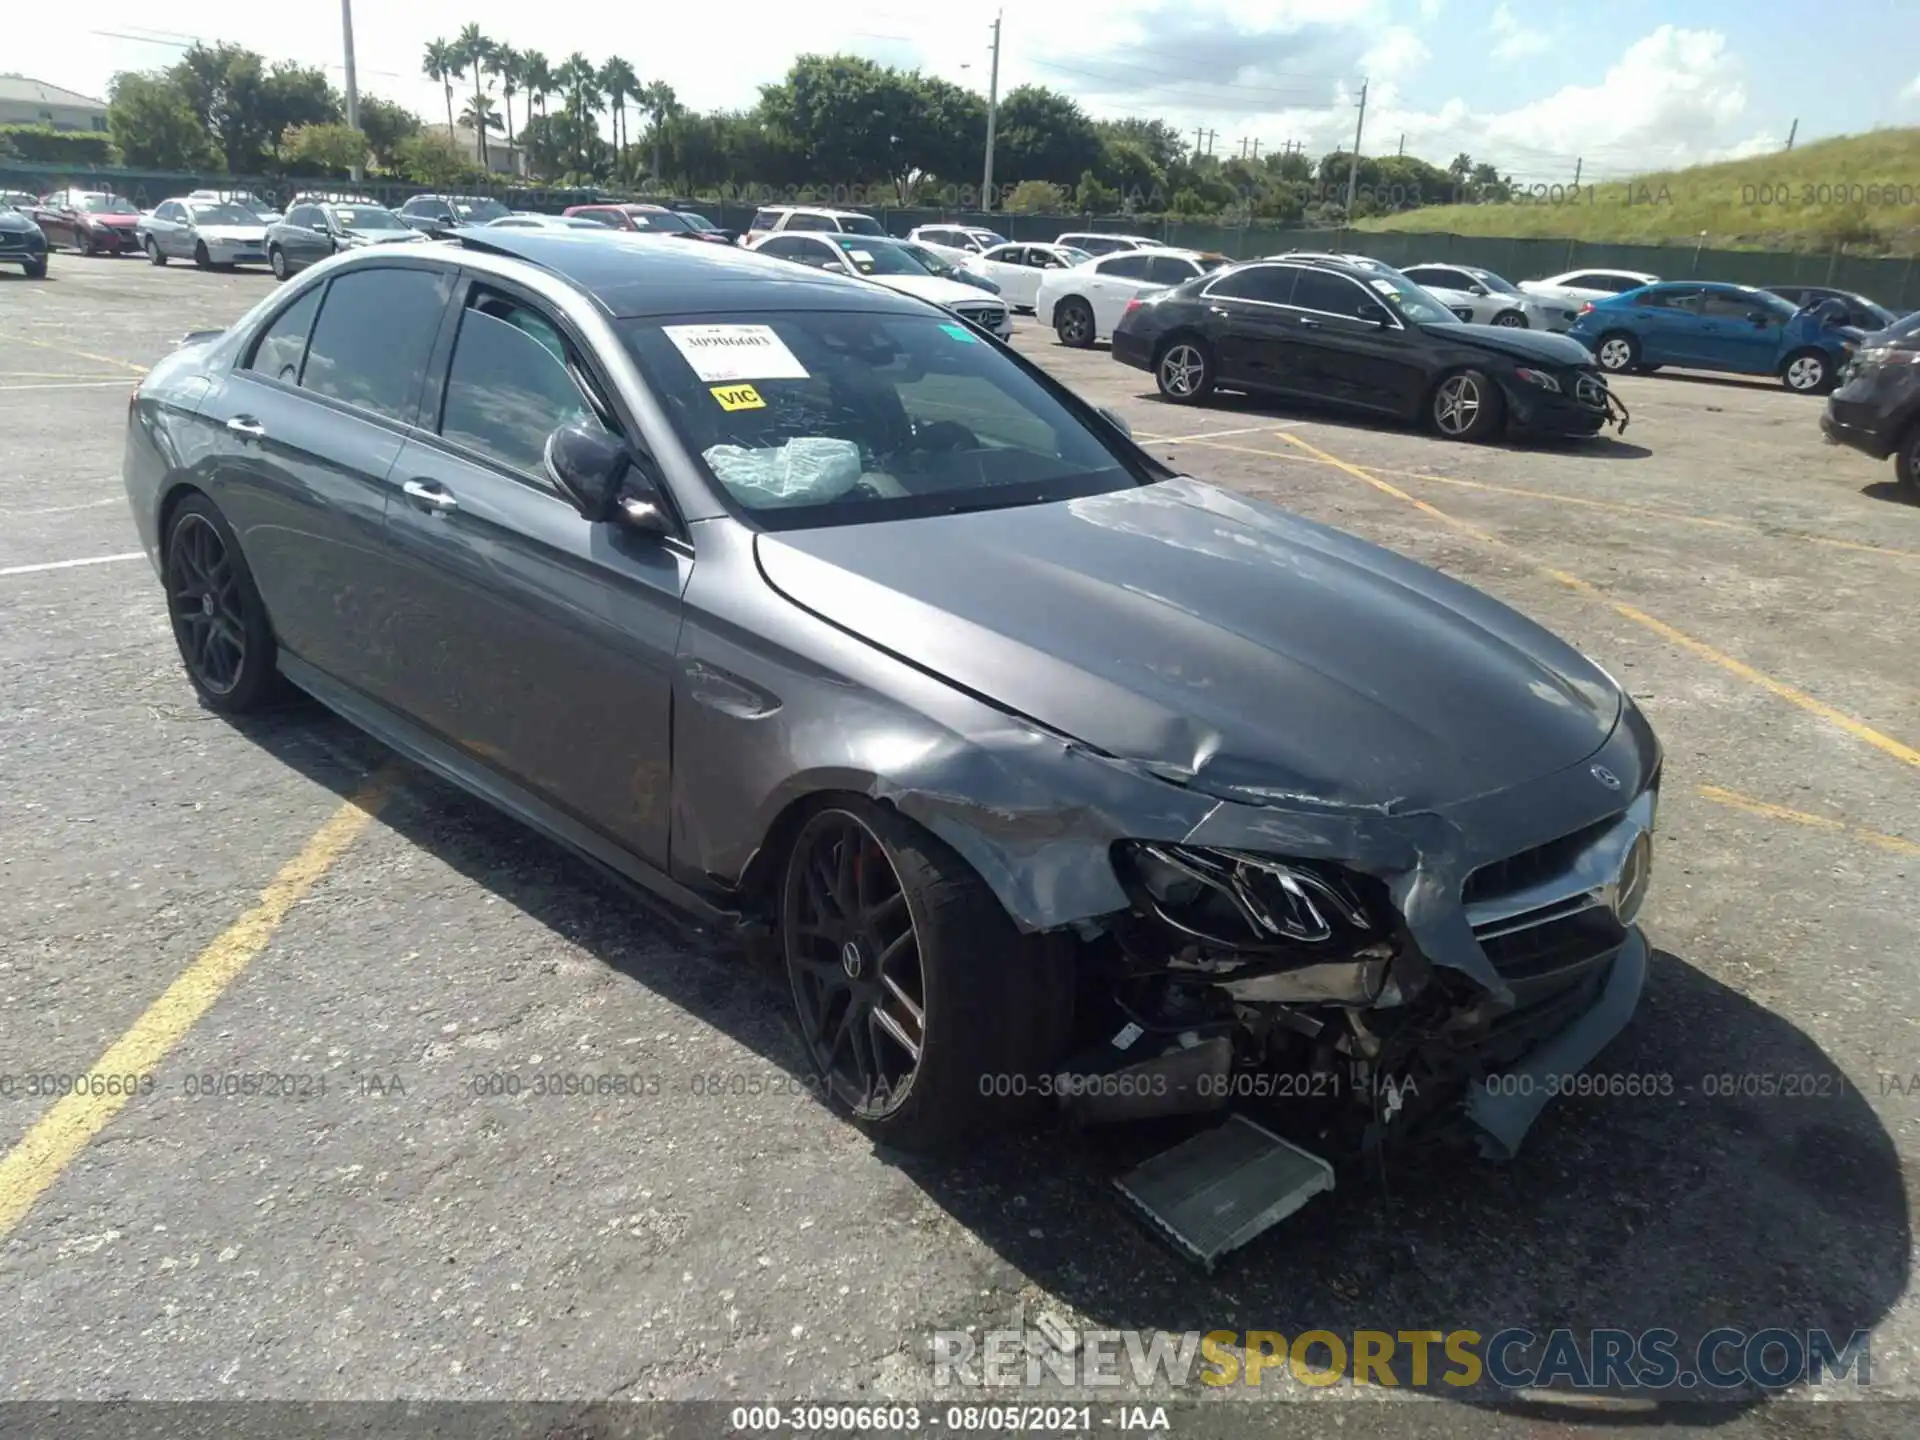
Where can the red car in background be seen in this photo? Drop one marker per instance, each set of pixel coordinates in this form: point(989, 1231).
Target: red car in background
point(90, 221)
point(649, 219)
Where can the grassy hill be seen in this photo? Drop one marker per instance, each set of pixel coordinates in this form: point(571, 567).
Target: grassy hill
point(1860, 190)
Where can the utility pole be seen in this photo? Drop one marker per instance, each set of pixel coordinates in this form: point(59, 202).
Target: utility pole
point(1353, 165)
point(1793, 131)
point(1256, 148)
point(1578, 162)
point(1402, 152)
point(993, 116)
point(353, 85)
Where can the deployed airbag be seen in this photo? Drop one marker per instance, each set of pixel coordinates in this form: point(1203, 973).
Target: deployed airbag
point(806, 470)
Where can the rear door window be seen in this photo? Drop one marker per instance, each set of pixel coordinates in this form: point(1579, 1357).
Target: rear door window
point(1170, 270)
point(1331, 295)
point(281, 347)
point(1129, 267)
point(1267, 284)
point(375, 332)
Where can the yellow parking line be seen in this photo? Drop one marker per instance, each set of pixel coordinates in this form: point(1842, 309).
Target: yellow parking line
point(1859, 729)
point(1617, 507)
point(83, 354)
point(1734, 800)
point(60, 1135)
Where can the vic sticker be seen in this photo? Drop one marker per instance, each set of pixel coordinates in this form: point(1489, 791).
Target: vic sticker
point(735, 352)
point(738, 397)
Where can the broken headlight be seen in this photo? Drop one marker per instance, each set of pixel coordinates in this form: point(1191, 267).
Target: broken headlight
point(1238, 899)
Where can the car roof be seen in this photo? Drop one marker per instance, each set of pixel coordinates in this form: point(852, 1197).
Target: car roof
point(634, 282)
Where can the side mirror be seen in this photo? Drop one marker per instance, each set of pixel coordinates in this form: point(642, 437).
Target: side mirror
point(837, 267)
point(1118, 421)
point(589, 464)
point(1377, 316)
point(1479, 289)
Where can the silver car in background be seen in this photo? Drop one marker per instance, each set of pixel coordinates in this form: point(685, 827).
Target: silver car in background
point(1481, 297)
point(211, 233)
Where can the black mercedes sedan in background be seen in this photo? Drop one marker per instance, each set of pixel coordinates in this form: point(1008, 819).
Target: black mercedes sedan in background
point(21, 242)
point(1365, 338)
point(1047, 770)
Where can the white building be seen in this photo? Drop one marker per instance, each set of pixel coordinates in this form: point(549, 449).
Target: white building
point(502, 158)
point(34, 102)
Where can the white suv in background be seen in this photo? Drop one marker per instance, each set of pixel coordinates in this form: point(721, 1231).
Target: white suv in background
point(772, 219)
point(886, 261)
point(957, 242)
point(1481, 297)
point(1084, 303)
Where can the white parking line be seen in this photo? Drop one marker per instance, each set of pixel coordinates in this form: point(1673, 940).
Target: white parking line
point(1220, 434)
point(71, 564)
point(61, 509)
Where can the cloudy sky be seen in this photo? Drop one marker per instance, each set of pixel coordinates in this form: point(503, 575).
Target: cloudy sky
point(1622, 87)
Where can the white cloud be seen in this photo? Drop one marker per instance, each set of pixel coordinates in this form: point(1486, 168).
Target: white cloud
point(1394, 57)
point(1511, 39)
point(1430, 10)
point(1912, 92)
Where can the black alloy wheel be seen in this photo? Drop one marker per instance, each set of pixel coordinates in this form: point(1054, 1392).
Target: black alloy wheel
point(218, 620)
point(927, 1016)
point(853, 957)
point(1073, 323)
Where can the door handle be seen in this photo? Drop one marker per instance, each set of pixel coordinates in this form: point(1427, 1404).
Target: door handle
point(1308, 323)
point(247, 428)
point(1218, 309)
point(427, 495)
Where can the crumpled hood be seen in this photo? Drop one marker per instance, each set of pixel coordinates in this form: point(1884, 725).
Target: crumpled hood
point(929, 287)
point(1221, 643)
point(1542, 345)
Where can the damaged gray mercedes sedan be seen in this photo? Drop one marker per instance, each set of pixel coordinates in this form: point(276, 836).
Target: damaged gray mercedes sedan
point(1050, 773)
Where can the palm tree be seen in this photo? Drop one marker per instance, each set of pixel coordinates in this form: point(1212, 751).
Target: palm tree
point(581, 82)
point(479, 116)
point(621, 84)
point(475, 49)
point(442, 63)
point(506, 64)
point(536, 78)
point(661, 105)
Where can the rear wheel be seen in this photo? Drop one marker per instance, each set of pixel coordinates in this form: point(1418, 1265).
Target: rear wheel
point(1807, 372)
point(1617, 352)
point(153, 252)
point(1906, 463)
point(1466, 406)
point(1184, 371)
point(918, 1000)
point(218, 620)
point(83, 240)
point(1511, 320)
point(1073, 323)
point(277, 262)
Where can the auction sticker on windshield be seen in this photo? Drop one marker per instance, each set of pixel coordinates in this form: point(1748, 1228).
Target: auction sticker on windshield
point(735, 352)
point(738, 397)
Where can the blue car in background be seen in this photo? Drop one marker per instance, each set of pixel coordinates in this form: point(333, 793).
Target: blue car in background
point(1703, 326)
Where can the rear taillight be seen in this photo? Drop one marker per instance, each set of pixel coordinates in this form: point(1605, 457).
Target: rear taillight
point(1132, 305)
point(1584, 309)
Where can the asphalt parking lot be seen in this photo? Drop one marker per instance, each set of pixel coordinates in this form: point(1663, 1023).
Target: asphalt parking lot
point(323, 911)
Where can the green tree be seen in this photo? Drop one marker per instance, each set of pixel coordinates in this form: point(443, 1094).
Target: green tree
point(505, 65)
point(153, 124)
point(619, 84)
point(296, 95)
point(1093, 197)
point(224, 85)
point(386, 125)
point(475, 49)
point(430, 158)
point(536, 78)
point(579, 81)
point(479, 115)
point(1044, 135)
point(333, 148)
point(663, 111)
point(1036, 197)
point(442, 63)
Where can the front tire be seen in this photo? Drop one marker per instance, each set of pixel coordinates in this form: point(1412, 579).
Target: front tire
point(1511, 320)
point(1073, 322)
point(36, 268)
point(1184, 370)
point(1617, 352)
point(154, 256)
point(1807, 372)
point(923, 1009)
point(200, 255)
point(1466, 405)
point(277, 262)
point(83, 242)
point(1906, 464)
point(218, 619)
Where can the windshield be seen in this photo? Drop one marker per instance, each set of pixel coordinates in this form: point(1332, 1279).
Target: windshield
point(931, 262)
point(371, 217)
point(1408, 300)
point(1494, 282)
point(208, 213)
point(832, 417)
point(479, 211)
point(861, 225)
point(106, 205)
point(698, 222)
point(1072, 254)
point(988, 238)
point(869, 259)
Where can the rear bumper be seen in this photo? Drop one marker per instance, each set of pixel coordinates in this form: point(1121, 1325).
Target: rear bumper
point(1132, 348)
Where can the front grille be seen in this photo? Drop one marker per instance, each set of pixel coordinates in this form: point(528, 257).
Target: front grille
point(1529, 867)
point(989, 317)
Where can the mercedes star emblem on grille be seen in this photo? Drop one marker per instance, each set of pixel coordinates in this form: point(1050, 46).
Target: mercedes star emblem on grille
point(1606, 777)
